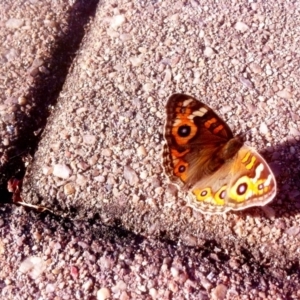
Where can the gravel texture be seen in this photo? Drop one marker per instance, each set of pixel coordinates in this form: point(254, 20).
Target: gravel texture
point(99, 158)
point(38, 41)
point(44, 257)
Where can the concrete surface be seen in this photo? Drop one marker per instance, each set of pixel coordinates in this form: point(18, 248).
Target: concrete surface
point(99, 158)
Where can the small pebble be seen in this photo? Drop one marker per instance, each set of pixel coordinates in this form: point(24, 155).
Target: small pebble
point(62, 171)
point(246, 82)
point(174, 272)
point(124, 296)
point(208, 52)
point(263, 128)
point(294, 131)
point(81, 180)
point(5, 141)
point(117, 21)
point(83, 165)
point(107, 152)
point(293, 231)
point(148, 87)
point(255, 68)
point(168, 76)
point(205, 282)
point(136, 61)
point(284, 94)
point(103, 294)
point(74, 272)
point(153, 293)
point(269, 71)
point(125, 37)
point(93, 160)
point(130, 175)
point(89, 139)
point(240, 26)
point(55, 146)
point(143, 174)
point(219, 293)
point(69, 189)
point(22, 100)
point(141, 151)
point(74, 139)
point(14, 23)
point(100, 178)
point(87, 285)
point(50, 288)
point(34, 266)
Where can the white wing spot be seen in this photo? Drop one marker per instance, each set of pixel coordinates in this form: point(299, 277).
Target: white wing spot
point(187, 102)
point(200, 113)
point(268, 181)
point(177, 122)
point(258, 171)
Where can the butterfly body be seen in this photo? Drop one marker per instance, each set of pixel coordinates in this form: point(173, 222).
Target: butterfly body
point(202, 156)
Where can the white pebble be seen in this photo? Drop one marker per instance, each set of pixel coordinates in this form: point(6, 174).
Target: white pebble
point(240, 26)
point(127, 152)
point(47, 170)
point(141, 151)
point(125, 37)
point(100, 178)
point(208, 52)
point(153, 293)
point(168, 75)
point(103, 294)
point(14, 23)
point(87, 285)
point(269, 71)
point(294, 131)
point(174, 272)
point(144, 174)
point(107, 152)
point(263, 128)
point(130, 175)
point(89, 139)
point(81, 180)
point(117, 21)
point(148, 87)
point(34, 266)
point(284, 94)
point(50, 288)
point(136, 61)
point(62, 171)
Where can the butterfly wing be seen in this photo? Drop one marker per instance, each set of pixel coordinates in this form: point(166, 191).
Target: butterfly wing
point(194, 135)
point(245, 181)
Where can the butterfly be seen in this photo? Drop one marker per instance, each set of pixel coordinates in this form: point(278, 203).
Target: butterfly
point(216, 170)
